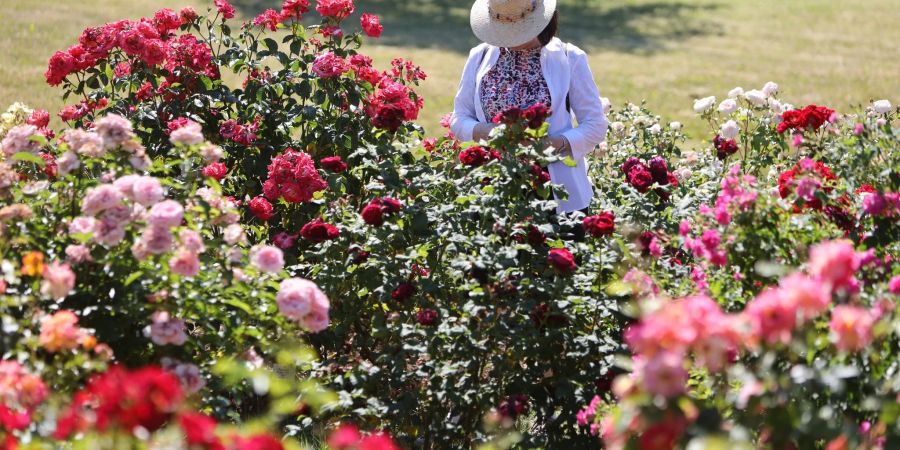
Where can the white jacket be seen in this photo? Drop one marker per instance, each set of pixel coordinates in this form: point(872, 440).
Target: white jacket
point(567, 73)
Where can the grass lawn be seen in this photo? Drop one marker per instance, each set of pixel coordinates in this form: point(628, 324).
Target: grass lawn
point(831, 52)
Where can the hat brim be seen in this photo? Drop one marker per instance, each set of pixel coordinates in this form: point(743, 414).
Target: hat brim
point(510, 34)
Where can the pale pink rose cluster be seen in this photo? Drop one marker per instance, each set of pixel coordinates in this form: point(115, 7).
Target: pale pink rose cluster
point(114, 130)
point(85, 143)
point(191, 133)
point(188, 374)
point(58, 280)
point(267, 258)
point(226, 206)
point(302, 301)
point(165, 329)
point(18, 140)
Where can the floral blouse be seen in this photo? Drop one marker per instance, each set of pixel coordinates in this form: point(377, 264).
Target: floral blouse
point(515, 80)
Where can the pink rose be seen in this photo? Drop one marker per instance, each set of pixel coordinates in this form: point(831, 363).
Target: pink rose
point(853, 327)
point(167, 213)
point(191, 133)
point(58, 280)
point(809, 295)
point(82, 225)
point(772, 316)
point(834, 262)
point(165, 329)
point(100, 198)
point(157, 240)
point(664, 374)
point(192, 241)
point(302, 301)
point(147, 191)
point(77, 254)
point(329, 65)
point(185, 263)
point(114, 130)
point(267, 258)
point(894, 285)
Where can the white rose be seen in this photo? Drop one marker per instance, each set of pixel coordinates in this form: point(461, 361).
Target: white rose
point(728, 106)
point(730, 129)
point(655, 129)
point(756, 97)
point(675, 125)
point(736, 92)
point(882, 106)
point(617, 127)
point(702, 105)
point(601, 149)
point(606, 104)
point(775, 106)
point(770, 88)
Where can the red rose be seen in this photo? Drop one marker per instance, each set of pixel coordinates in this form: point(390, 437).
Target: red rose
point(200, 430)
point(216, 170)
point(390, 205)
point(640, 178)
point(318, 231)
point(61, 65)
point(225, 9)
point(510, 116)
point(39, 118)
point(536, 115)
point(659, 170)
point(629, 164)
point(535, 237)
point(427, 317)
point(474, 156)
point(370, 25)
point(403, 291)
point(601, 224)
point(333, 163)
point(258, 442)
point(373, 215)
point(514, 406)
point(261, 208)
point(294, 9)
point(561, 260)
point(811, 117)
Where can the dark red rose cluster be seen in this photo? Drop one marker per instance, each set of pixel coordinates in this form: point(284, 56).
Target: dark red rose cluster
point(533, 116)
point(641, 176)
point(602, 224)
point(373, 213)
point(477, 156)
point(724, 147)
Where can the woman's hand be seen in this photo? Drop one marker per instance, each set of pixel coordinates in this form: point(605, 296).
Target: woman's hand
point(560, 143)
point(482, 131)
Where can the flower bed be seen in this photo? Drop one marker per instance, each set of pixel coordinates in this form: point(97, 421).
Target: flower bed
point(288, 258)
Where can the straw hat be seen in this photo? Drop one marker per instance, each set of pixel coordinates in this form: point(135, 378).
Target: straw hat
point(510, 23)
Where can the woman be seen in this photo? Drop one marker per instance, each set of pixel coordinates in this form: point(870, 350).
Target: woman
point(521, 63)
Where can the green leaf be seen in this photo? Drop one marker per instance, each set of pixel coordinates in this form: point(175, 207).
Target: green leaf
point(239, 305)
point(29, 157)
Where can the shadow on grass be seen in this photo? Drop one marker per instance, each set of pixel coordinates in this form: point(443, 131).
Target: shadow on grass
point(622, 25)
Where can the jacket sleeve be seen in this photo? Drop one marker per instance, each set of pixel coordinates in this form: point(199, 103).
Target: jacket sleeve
point(585, 102)
point(464, 117)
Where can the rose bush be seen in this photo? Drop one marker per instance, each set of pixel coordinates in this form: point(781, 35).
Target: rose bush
point(183, 221)
point(765, 346)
